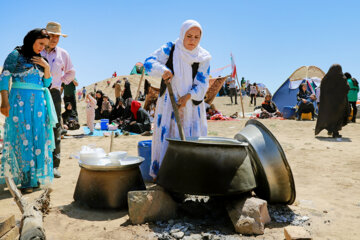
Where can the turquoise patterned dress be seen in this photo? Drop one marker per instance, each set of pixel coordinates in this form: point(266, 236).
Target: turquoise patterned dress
point(28, 144)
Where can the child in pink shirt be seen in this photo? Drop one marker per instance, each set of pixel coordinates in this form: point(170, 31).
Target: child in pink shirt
point(79, 95)
point(90, 111)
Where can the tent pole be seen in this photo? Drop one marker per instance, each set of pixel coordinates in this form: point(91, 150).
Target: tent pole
point(141, 79)
point(241, 98)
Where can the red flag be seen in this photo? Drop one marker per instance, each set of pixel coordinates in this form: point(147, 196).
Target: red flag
point(233, 66)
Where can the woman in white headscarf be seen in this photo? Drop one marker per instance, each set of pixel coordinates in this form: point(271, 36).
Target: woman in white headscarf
point(187, 66)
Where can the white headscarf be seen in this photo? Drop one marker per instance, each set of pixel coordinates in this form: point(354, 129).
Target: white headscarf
point(183, 59)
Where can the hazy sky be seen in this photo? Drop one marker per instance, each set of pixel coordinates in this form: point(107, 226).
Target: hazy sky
point(269, 39)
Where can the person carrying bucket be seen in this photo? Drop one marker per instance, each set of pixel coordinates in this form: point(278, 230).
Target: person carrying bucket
point(187, 65)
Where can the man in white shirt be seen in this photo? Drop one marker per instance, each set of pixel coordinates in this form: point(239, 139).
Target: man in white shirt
point(62, 71)
point(232, 88)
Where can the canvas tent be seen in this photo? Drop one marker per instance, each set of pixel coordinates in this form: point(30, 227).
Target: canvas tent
point(286, 94)
point(137, 69)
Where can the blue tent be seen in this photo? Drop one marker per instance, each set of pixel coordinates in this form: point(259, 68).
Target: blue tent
point(286, 94)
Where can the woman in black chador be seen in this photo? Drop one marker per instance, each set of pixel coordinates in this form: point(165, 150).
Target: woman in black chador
point(334, 109)
point(127, 91)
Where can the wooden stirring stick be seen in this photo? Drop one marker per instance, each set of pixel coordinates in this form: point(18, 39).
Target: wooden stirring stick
point(176, 110)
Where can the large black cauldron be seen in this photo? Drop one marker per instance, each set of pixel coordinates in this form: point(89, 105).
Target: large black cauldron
point(207, 166)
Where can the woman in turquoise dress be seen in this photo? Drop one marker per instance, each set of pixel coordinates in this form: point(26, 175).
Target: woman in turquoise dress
point(28, 129)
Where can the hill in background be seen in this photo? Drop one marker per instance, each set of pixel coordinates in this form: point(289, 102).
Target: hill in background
point(134, 83)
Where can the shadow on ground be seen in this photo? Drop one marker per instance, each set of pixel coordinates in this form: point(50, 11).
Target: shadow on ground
point(78, 211)
point(330, 139)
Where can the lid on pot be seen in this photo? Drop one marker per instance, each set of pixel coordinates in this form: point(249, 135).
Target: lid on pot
point(275, 182)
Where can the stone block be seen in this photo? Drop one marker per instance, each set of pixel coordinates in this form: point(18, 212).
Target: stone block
point(150, 206)
point(249, 215)
point(11, 235)
point(6, 224)
point(296, 233)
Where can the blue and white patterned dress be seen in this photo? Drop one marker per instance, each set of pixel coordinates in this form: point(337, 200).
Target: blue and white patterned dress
point(193, 118)
point(27, 152)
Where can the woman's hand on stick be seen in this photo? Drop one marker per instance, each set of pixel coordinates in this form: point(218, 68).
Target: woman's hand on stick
point(167, 76)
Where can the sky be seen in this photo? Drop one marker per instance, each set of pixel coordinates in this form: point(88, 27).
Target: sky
point(268, 39)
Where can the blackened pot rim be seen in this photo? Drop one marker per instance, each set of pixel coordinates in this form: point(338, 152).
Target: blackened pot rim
point(219, 141)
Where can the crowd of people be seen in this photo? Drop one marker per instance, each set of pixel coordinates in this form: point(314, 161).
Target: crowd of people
point(119, 112)
point(247, 89)
point(41, 72)
point(126, 113)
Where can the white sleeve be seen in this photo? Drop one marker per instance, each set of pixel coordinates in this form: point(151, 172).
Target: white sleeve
point(155, 64)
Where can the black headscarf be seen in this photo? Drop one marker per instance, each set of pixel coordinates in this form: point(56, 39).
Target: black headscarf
point(99, 100)
point(118, 110)
point(355, 82)
point(27, 49)
point(69, 114)
point(347, 75)
point(303, 94)
point(334, 107)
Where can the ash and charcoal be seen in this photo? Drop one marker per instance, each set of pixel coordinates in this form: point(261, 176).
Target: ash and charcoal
point(206, 218)
point(283, 214)
point(200, 217)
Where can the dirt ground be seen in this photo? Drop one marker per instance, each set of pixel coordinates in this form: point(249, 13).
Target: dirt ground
point(326, 174)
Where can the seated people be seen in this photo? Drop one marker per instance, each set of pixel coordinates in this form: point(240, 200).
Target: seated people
point(99, 101)
point(140, 119)
point(211, 111)
point(269, 108)
point(213, 114)
point(141, 96)
point(118, 110)
point(305, 101)
point(126, 116)
point(105, 108)
point(127, 111)
point(70, 119)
